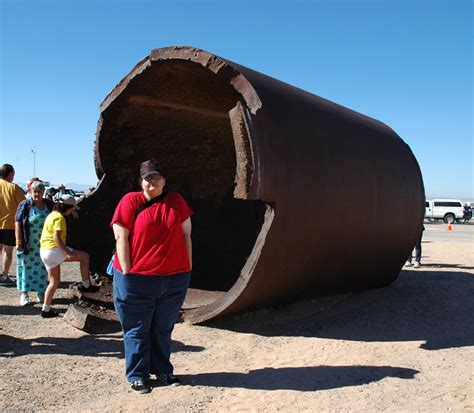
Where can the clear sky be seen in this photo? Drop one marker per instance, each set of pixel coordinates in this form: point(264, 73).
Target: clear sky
point(405, 63)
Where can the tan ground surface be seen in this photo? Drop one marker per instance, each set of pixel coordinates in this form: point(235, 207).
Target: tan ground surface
point(405, 348)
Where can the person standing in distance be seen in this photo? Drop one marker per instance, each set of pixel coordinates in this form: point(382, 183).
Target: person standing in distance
point(61, 191)
point(152, 269)
point(10, 197)
point(417, 264)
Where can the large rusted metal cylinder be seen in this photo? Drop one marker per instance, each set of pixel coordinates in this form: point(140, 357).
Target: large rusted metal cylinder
point(294, 196)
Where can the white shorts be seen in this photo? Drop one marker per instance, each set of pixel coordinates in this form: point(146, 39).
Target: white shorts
point(54, 257)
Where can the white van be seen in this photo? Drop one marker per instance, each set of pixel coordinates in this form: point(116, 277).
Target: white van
point(446, 209)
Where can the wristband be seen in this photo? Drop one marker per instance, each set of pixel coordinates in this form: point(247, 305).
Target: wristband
point(20, 242)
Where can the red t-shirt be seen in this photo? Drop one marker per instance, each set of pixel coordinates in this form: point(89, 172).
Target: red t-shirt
point(156, 240)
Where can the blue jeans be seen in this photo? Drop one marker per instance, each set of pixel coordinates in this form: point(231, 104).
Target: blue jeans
point(147, 307)
point(417, 251)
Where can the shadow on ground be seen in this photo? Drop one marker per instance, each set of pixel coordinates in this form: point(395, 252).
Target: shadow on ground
point(300, 378)
point(29, 310)
point(442, 265)
point(87, 345)
point(436, 307)
point(94, 346)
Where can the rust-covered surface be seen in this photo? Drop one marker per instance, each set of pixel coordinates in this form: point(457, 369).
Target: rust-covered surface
point(294, 196)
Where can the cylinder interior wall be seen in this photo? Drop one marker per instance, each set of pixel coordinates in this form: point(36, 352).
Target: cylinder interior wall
point(177, 112)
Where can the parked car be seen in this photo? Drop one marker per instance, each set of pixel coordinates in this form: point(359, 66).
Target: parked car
point(448, 210)
point(69, 191)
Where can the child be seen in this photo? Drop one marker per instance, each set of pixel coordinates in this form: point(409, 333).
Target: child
point(54, 251)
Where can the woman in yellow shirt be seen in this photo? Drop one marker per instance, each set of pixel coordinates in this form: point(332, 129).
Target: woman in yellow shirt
point(54, 251)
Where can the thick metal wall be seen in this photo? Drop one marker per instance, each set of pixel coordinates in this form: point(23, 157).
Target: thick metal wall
point(336, 199)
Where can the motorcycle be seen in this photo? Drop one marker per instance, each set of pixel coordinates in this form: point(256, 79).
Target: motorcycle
point(466, 217)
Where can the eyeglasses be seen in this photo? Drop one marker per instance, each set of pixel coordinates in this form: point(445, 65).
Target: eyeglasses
point(154, 177)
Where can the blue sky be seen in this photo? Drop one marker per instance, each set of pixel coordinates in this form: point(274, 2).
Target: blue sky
point(405, 63)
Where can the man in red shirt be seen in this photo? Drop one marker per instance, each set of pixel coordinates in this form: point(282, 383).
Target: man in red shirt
point(152, 269)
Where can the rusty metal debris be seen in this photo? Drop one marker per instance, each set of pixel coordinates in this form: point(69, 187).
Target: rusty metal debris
point(294, 196)
point(93, 312)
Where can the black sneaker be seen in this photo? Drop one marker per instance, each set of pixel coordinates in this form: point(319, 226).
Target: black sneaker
point(90, 289)
point(6, 280)
point(168, 379)
point(49, 314)
point(139, 386)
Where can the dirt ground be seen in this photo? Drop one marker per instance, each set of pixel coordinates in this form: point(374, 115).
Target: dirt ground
point(404, 348)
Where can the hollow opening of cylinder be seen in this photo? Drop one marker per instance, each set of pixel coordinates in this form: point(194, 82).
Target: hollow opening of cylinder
point(178, 112)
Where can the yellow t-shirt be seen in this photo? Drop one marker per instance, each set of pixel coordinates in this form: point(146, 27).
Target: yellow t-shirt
point(10, 196)
point(54, 222)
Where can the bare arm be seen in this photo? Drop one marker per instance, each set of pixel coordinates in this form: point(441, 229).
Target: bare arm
point(19, 235)
point(122, 245)
point(186, 226)
point(19, 195)
point(60, 243)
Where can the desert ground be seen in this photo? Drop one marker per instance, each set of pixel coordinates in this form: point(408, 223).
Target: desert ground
point(404, 348)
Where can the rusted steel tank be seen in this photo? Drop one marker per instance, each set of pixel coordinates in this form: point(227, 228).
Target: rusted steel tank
point(294, 196)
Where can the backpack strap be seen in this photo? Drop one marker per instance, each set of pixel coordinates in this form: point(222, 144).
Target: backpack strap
point(150, 203)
